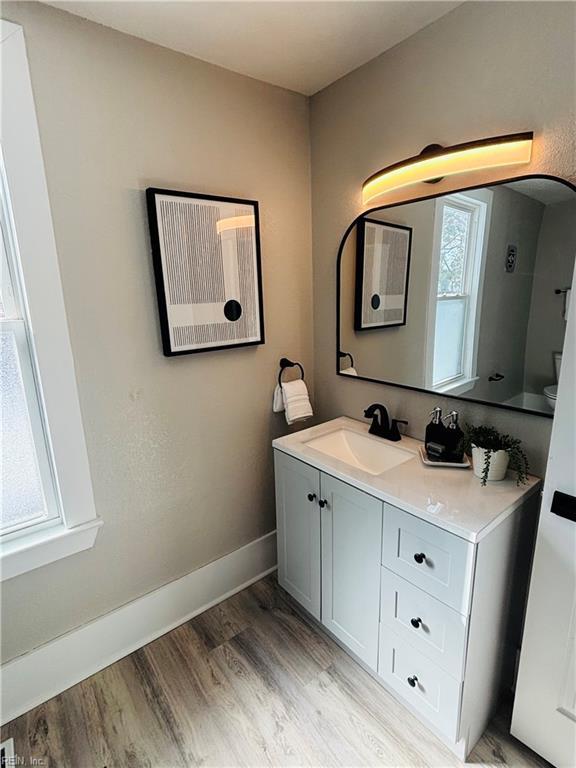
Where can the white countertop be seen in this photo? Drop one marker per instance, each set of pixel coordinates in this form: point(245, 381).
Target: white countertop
point(450, 498)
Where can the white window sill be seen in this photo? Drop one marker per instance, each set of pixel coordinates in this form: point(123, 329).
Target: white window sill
point(33, 550)
point(458, 387)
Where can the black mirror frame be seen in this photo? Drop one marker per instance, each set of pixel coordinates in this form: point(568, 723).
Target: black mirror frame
point(339, 291)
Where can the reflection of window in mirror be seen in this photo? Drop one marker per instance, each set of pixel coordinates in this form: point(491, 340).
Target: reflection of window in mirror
point(461, 225)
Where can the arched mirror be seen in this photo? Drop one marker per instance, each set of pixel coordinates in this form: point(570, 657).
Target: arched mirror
point(464, 294)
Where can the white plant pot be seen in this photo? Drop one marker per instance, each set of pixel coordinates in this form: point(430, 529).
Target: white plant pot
point(498, 463)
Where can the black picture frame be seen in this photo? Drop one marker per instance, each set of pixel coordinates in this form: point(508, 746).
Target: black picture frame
point(361, 310)
point(387, 206)
point(187, 244)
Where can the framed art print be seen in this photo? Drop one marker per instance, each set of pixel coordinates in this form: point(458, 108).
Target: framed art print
point(382, 270)
point(206, 253)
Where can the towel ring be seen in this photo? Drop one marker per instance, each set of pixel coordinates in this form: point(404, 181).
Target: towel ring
point(285, 363)
point(341, 355)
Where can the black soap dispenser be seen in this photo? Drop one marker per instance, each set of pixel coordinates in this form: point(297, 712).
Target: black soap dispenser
point(435, 438)
point(454, 439)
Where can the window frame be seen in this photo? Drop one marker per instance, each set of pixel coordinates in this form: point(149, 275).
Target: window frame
point(49, 341)
point(17, 322)
point(480, 203)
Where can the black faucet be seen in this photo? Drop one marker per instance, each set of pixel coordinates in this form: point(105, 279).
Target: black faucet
point(381, 425)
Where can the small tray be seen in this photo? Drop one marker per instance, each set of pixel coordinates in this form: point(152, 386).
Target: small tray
point(425, 460)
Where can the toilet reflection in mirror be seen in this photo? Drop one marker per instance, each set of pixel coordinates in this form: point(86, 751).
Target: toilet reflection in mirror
point(487, 294)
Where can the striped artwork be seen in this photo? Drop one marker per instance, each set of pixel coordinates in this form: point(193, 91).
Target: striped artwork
point(382, 267)
point(207, 264)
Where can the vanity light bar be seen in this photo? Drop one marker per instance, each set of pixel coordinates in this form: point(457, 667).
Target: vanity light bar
point(436, 162)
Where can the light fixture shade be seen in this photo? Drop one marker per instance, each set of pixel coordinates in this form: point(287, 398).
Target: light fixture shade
point(513, 149)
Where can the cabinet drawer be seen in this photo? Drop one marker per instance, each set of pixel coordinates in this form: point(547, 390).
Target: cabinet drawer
point(433, 628)
point(429, 557)
point(420, 682)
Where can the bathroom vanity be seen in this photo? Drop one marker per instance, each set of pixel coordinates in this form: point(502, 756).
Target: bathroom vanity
point(412, 569)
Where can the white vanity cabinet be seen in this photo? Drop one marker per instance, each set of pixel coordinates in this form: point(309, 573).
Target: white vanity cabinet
point(428, 597)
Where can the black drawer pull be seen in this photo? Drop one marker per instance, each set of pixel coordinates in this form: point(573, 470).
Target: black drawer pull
point(311, 497)
point(322, 503)
point(420, 557)
point(564, 505)
point(412, 681)
point(416, 622)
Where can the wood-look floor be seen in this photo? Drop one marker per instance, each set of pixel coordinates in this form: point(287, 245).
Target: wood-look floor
point(248, 683)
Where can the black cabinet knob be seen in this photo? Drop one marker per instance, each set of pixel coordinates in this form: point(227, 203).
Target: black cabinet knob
point(322, 503)
point(311, 497)
point(412, 681)
point(416, 622)
point(420, 557)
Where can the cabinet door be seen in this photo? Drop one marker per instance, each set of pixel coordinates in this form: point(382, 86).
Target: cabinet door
point(298, 530)
point(351, 537)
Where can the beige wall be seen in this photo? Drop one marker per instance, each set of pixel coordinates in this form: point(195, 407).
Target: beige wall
point(554, 269)
point(484, 69)
point(179, 448)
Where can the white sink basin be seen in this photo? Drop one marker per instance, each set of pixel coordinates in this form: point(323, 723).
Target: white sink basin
point(371, 454)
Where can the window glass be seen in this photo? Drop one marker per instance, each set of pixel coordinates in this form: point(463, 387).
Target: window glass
point(27, 494)
point(448, 351)
point(458, 256)
point(22, 494)
point(453, 250)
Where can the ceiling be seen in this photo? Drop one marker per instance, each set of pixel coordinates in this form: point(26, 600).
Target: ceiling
point(546, 191)
point(302, 46)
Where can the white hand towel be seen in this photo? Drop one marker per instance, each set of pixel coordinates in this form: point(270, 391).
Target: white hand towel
point(350, 371)
point(296, 401)
point(277, 400)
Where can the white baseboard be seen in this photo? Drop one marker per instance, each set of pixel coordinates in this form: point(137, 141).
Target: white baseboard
point(29, 680)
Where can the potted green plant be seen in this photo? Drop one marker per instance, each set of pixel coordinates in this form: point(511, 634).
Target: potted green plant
point(493, 454)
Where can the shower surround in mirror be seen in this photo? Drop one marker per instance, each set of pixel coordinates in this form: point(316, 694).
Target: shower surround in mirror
point(482, 319)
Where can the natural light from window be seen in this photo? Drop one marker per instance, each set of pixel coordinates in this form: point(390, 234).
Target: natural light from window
point(27, 489)
point(452, 299)
point(47, 509)
point(458, 259)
